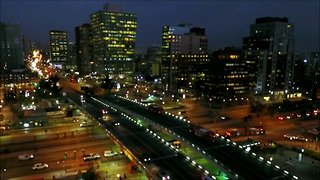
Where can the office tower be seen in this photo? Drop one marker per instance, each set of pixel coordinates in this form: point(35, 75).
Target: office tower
point(59, 48)
point(225, 78)
point(153, 57)
point(182, 39)
point(113, 40)
point(140, 65)
point(71, 61)
point(269, 55)
point(190, 71)
point(84, 49)
point(11, 56)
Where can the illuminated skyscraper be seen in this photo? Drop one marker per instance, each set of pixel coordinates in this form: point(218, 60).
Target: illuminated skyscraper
point(84, 49)
point(225, 77)
point(269, 54)
point(177, 40)
point(59, 48)
point(113, 40)
point(11, 56)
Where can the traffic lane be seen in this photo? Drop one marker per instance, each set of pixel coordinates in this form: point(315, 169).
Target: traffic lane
point(171, 122)
point(34, 145)
point(48, 143)
point(66, 133)
point(55, 160)
point(58, 153)
point(31, 132)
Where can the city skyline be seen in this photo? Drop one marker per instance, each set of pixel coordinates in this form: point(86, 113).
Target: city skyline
point(226, 23)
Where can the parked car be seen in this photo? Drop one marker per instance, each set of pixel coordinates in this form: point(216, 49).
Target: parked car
point(40, 166)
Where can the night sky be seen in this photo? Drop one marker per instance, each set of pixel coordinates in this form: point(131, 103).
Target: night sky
point(226, 22)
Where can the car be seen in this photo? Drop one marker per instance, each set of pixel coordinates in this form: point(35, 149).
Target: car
point(116, 123)
point(302, 138)
point(109, 153)
point(85, 124)
point(91, 156)
point(25, 157)
point(163, 174)
point(290, 136)
point(40, 166)
point(225, 118)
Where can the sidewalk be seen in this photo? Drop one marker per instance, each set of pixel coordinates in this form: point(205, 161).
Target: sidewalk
point(306, 169)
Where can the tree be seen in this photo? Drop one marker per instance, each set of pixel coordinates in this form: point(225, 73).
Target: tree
point(50, 84)
point(107, 83)
point(90, 174)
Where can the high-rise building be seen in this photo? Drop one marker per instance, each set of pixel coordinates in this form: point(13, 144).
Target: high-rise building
point(71, 61)
point(269, 54)
point(113, 40)
point(182, 39)
point(190, 71)
point(153, 57)
point(59, 48)
point(11, 55)
point(84, 54)
point(226, 77)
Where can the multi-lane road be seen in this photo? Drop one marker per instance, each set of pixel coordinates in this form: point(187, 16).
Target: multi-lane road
point(243, 164)
point(61, 153)
point(142, 144)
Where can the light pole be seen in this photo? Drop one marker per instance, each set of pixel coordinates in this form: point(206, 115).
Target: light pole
point(300, 155)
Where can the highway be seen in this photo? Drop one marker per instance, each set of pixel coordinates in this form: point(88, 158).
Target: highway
point(246, 166)
point(141, 143)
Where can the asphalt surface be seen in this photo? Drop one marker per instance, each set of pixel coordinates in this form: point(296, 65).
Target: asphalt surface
point(141, 143)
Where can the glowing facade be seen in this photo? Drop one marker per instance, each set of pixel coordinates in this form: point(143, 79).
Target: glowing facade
point(177, 40)
point(113, 40)
point(11, 56)
point(59, 47)
point(269, 54)
point(226, 77)
point(84, 49)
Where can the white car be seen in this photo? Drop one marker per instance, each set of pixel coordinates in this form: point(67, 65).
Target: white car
point(40, 166)
point(109, 153)
point(290, 136)
point(25, 157)
point(91, 156)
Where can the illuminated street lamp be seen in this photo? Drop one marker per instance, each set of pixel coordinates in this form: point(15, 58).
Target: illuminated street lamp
point(300, 155)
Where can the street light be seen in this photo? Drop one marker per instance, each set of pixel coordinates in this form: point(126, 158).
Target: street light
point(300, 155)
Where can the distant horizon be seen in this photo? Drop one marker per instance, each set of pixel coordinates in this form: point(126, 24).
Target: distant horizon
point(226, 23)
